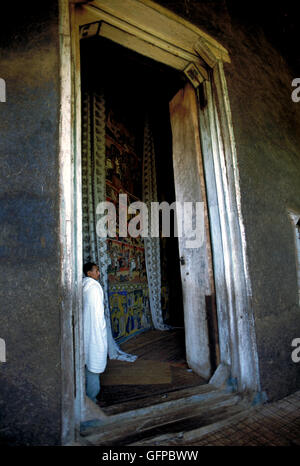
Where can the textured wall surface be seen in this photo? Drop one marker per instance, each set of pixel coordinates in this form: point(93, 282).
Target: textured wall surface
point(266, 125)
point(29, 250)
point(266, 128)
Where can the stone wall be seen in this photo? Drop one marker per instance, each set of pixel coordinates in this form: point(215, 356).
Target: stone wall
point(266, 126)
point(30, 380)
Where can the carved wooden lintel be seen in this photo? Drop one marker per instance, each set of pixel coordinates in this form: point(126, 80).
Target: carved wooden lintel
point(203, 49)
point(193, 73)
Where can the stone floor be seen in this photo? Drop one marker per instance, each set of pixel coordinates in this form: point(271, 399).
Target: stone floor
point(272, 424)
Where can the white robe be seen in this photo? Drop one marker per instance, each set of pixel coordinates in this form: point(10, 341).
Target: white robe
point(94, 326)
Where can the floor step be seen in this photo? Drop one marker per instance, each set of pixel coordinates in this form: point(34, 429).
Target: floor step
point(188, 435)
point(146, 401)
point(179, 413)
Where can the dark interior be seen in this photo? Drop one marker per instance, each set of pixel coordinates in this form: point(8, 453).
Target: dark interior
point(138, 84)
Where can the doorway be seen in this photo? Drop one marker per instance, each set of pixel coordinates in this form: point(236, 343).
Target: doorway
point(154, 31)
point(132, 89)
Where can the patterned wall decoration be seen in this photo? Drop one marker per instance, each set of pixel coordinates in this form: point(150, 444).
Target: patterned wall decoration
point(127, 278)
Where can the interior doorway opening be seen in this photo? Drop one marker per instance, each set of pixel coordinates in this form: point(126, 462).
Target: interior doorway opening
point(136, 89)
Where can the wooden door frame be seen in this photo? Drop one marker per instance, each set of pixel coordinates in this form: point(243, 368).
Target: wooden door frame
point(180, 45)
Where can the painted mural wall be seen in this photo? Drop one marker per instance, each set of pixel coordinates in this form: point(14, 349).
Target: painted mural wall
point(127, 278)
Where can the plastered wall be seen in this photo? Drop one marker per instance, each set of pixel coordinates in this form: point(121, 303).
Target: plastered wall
point(30, 379)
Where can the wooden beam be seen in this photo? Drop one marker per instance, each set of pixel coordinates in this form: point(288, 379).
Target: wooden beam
point(147, 28)
point(203, 49)
point(219, 51)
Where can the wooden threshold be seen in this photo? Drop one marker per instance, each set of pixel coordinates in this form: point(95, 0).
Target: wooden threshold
point(194, 410)
point(160, 370)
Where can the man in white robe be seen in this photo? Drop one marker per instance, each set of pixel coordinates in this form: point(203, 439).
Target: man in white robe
point(94, 329)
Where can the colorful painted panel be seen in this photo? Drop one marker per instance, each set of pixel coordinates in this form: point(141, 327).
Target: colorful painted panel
point(127, 278)
point(127, 263)
point(130, 313)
